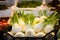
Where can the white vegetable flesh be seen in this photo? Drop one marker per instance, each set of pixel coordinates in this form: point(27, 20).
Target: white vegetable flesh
point(40, 34)
point(38, 27)
point(48, 28)
point(16, 28)
point(30, 33)
point(19, 34)
point(27, 27)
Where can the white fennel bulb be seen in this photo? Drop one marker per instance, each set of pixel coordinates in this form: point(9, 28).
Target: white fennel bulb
point(40, 34)
point(42, 18)
point(22, 24)
point(16, 28)
point(36, 20)
point(38, 27)
point(28, 26)
point(19, 34)
point(48, 28)
point(30, 33)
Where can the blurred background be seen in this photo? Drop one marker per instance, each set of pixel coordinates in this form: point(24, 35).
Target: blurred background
point(11, 2)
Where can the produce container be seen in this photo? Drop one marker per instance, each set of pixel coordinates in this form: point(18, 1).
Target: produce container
point(31, 24)
point(49, 35)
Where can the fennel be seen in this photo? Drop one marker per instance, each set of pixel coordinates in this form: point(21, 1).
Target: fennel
point(42, 13)
point(14, 19)
point(52, 19)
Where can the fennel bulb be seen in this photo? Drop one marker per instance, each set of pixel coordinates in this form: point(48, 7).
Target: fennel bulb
point(40, 34)
point(36, 20)
point(30, 33)
point(48, 28)
point(16, 28)
point(27, 26)
point(38, 27)
point(42, 18)
point(22, 24)
point(19, 34)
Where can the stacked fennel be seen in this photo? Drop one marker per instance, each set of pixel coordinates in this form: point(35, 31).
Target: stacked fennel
point(29, 25)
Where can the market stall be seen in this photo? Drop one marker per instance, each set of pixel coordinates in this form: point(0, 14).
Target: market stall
point(30, 22)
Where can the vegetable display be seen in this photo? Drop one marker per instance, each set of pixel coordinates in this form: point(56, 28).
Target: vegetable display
point(32, 26)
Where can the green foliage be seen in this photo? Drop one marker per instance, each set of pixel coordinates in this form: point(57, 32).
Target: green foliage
point(29, 18)
point(58, 34)
point(42, 12)
point(21, 14)
point(58, 14)
point(14, 19)
point(52, 19)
